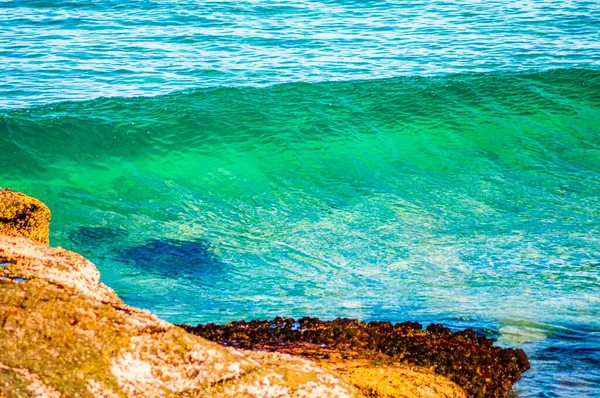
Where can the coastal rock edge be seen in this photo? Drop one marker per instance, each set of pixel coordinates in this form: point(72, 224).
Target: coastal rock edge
point(63, 333)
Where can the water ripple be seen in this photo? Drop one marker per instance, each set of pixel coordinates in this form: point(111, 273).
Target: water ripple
point(75, 50)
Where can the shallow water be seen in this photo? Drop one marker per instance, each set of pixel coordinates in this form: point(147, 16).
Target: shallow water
point(391, 162)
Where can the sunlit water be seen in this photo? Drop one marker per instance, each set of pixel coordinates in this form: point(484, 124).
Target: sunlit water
point(391, 161)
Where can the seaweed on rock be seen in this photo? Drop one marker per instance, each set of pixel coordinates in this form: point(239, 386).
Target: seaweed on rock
point(471, 361)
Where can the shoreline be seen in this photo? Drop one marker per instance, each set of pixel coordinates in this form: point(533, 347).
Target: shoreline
point(71, 324)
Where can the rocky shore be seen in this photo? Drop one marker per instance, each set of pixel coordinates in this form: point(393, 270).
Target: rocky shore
point(354, 348)
point(65, 334)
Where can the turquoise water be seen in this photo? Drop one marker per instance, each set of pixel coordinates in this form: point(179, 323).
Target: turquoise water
point(391, 161)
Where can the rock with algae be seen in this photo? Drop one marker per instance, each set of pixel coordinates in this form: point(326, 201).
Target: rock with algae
point(375, 356)
point(23, 216)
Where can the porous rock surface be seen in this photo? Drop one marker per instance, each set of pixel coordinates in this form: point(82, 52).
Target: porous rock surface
point(63, 333)
point(24, 216)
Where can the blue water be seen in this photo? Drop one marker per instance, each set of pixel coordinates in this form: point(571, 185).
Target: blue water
point(77, 50)
point(437, 161)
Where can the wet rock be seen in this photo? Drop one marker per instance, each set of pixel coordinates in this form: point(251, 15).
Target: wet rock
point(23, 216)
point(371, 352)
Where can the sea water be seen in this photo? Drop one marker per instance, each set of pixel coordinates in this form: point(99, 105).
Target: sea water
point(434, 161)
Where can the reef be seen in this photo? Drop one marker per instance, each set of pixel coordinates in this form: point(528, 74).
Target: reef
point(347, 346)
point(64, 333)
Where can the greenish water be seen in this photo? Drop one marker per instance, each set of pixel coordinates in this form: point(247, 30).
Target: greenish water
point(437, 161)
point(469, 199)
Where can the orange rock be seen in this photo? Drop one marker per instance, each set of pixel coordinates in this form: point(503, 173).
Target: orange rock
point(397, 380)
point(24, 217)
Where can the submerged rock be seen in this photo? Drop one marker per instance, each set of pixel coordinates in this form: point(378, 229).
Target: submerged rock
point(168, 257)
point(373, 356)
point(23, 216)
point(92, 236)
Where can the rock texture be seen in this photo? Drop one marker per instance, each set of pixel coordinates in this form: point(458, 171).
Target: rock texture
point(377, 378)
point(23, 216)
point(375, 356)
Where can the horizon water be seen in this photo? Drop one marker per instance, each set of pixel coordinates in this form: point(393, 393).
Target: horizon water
point(428, 161)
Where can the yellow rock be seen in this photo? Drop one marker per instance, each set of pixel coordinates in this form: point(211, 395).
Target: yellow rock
point(394, 380)
point(24, 216)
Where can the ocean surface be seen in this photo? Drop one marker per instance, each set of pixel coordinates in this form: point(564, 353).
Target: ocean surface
point(436, 161)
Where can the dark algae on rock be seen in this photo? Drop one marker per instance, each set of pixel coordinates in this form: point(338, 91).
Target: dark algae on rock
point(471, 361)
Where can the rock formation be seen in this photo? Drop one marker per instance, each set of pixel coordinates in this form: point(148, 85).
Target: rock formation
point(24, 216)
point(374, 356)
point(63, 333)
